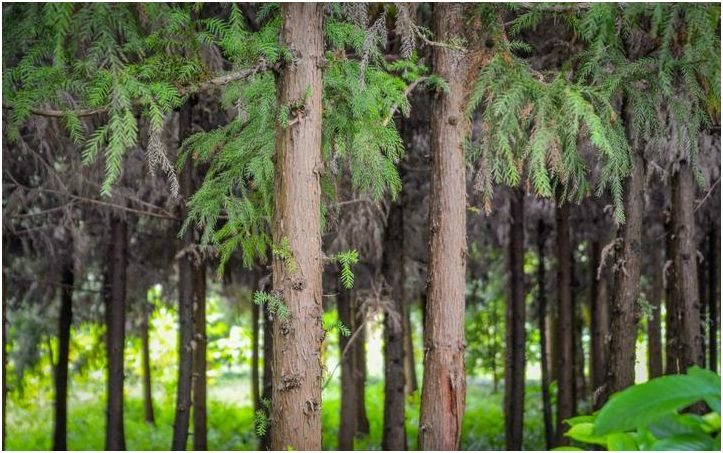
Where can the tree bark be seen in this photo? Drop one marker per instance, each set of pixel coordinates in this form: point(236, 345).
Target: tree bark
point(394, 436)
point(185, 303)
point(347, 408)
point(296, 393)
point(713, 295)
point(685, 287)
point(655, 345)
point(671, 304)
point(443, 385)
point(115, 301)
point(599, 323)
point(268, 328)
point(60, 435)
point(542, 325)
point(255, 375)
point(146, 359)
point(515, 327)
point(565, 319)
point(200, 442)
point(359, 364)
point(625, 312)
point(410, 370)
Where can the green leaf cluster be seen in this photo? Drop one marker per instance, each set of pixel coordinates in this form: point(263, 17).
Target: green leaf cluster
point(273, 303)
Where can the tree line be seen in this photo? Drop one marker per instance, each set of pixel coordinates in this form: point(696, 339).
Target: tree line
point(309, 149)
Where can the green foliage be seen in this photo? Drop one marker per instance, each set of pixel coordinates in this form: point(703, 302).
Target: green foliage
point(646, 417)
point(346, 260)
point(283, 252)
point(340, 326)
point(274, 304)
point(261, 418)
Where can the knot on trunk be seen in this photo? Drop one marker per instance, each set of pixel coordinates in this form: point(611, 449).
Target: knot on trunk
point(311, 406)
point(290, 381)
point(298, 283)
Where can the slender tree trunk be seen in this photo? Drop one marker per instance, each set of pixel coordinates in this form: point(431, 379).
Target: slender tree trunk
point(713, 295)
point(672, 306)
point(515, 327)
point(703, 304)
point(443, 385)
point(578, 359)
point(60, 437)
point(394, 436)
point(348, 412)
point(5, 349)
point(542, 325)
point(268, 328)
point(185, 304)
point(255, 375)
point(296, 393)
point(359, 363)
point(146, 359)
point(625, 311)
point(115, 301)
point(410, 370)
point(599, 323)
point(685, 286)
point(565, 319)
point(200, 442)
point(655, 345)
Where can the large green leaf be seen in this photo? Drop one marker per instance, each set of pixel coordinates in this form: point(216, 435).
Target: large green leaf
point(642, 404)
point(583, 432)
point(684, 442)
point(621, 442)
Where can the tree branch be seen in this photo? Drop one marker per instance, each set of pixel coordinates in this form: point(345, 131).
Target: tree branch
point(407, 92)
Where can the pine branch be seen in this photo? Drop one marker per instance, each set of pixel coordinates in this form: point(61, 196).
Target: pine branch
point(407, 92)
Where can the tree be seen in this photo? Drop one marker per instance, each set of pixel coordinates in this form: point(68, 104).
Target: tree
point(60, 436)
point(542, 317)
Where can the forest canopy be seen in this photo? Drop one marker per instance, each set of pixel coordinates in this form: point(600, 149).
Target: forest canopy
point(433, 226)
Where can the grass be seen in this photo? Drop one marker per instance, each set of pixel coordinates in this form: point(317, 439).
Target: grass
point(230, 418)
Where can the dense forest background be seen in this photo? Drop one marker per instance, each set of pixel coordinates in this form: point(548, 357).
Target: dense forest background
point(361, 226)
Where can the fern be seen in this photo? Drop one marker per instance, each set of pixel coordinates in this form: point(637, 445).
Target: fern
point(345, 261)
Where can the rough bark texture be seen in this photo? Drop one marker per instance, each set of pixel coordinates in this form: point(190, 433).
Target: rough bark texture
point(296, 393)
point(625, 312)
point(686, 330)
point(599, 323)
point(515, 327)
point(542, 325)
point(347, 407)
point(655, 343)
point(443, 386)
point(565, 320)
point(394, 436)
point(199, 358)
point(713, 295)
point(185, 306)
point(60, 435)
point(148, 412)
point(115, 302)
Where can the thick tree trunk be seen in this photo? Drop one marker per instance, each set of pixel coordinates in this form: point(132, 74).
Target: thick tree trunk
point(599, 323)
point(348, 412)
point(443, 386)
point(359, 364)
point(60, 436)
point(115, 302)
point(146, 359)
point(410, 370)
point(713, 295)
point(655, 344)
point(200, 442)
point(542, 325)
point(394, 436)
point(625, 312)
point(687, 331)
point(296, 393)
point(185, 304)
point(515, 327)
point(565, 320)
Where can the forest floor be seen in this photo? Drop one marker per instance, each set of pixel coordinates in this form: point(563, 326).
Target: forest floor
point(230, 418)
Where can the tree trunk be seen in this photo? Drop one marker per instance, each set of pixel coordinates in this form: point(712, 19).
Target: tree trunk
point(347, 408)
point(703, 305)
point(60, 436)
point(5, 350)
point(394, 436)
point(713, 295)
point(565, 319)
point(296, 393)
point(146, 359)
point(515, 327)
point(625, 311)
point(542, 325)
point(685, 286)
point(268, 328)
point(199, 358)
point(359, 364)
point(255, 384)
point(185, 303)
point(115, 302)
point(579, 355)
point(671, 304)
point(599, 323)
point(655, 345)
point(443, 385)
point(410, 370)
